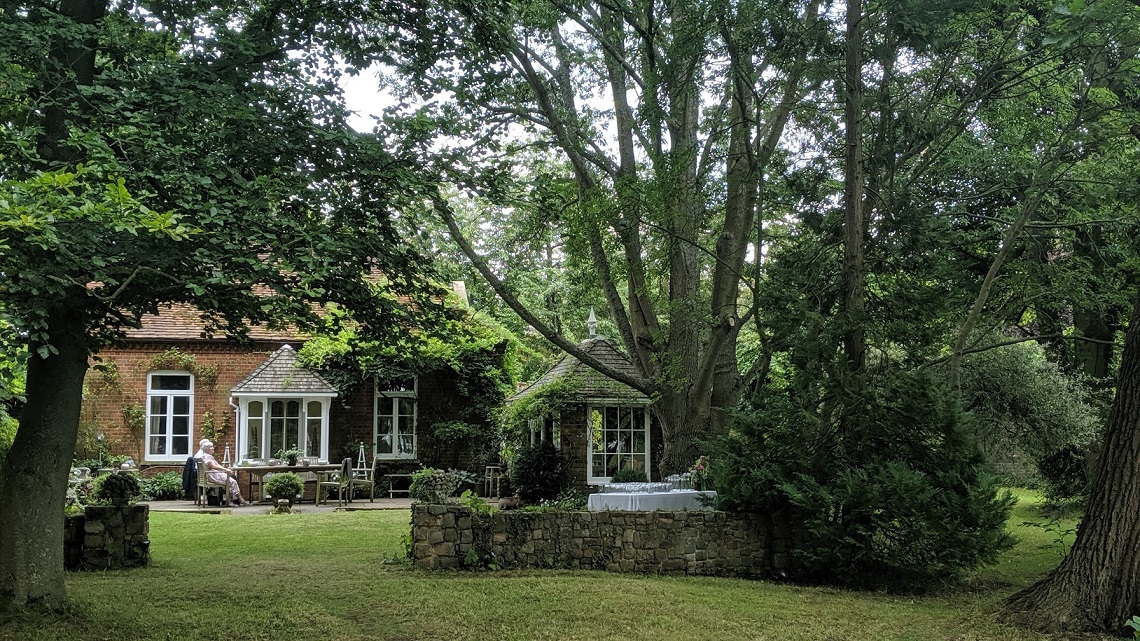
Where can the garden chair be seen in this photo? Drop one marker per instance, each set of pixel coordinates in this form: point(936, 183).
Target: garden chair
point(362, 476)
point(205, 485)
point(338, 480)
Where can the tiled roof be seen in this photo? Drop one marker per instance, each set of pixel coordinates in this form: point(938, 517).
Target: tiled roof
point(586, 382)
point(180, 321)
point(281, 372)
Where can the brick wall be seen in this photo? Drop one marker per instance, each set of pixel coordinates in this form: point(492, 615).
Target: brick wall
point(703, 543)
point(104, 400)
point(350, 417)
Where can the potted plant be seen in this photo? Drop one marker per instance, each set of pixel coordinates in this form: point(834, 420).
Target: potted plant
point(285, 486)
point(290, 455)
point(118, 489)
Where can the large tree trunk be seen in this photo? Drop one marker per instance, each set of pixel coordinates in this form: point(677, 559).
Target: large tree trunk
point(854, 341)
point(1097, 586)
point(36, 470)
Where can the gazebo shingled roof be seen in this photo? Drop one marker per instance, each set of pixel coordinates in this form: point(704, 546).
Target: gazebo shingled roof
point(587, 383)
point(281, 372)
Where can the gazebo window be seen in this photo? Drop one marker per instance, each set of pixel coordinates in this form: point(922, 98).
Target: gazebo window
point(619, 438)
point(545, 430)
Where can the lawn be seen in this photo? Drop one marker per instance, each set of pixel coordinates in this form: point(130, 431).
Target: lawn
point(339, 576)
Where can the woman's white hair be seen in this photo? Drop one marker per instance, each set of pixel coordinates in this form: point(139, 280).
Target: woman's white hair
point(204, 443)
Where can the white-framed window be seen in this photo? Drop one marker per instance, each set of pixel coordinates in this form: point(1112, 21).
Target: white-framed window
point(619, 438)
point(394, 433)
point(169, 416)
point(271, 424)
point(545, 430)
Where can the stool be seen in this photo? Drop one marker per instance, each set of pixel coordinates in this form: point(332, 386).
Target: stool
point(492, 478)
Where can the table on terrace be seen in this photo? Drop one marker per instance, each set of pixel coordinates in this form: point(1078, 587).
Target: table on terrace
point(649, 501)
point(259, 472)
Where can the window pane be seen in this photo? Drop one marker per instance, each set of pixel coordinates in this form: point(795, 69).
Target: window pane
point(181, 445)
point(158, 405)
point(293, 408)
point(314, 409)
point(292, 432)
point(180, 382)
point(277, 408)
point(180, 425)
point(313, 437)
point(406, 406)
point(639, 442)
point(253, 435)
point(611, 465)
point(158, 425)
point(158, 445)
point(384, 444)
point(181, 404)
point(407, 444)
point(599, 465)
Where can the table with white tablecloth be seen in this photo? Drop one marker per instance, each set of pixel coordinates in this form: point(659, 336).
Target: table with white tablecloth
point(649, 501)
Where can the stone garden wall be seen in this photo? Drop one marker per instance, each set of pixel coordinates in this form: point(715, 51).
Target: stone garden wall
point(697, 542)
point(107, 537)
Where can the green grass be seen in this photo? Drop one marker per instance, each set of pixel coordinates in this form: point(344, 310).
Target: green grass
point(331, 577)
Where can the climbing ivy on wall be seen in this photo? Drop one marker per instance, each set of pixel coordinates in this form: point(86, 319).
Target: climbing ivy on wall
point(176, 359)
point(479, 351)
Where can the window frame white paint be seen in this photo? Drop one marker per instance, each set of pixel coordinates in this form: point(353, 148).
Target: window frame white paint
point(266, 400)
point(600, 405)
point(169, 415)
point(393, 397)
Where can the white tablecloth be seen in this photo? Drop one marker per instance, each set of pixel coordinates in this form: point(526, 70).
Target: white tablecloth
point(649, 501)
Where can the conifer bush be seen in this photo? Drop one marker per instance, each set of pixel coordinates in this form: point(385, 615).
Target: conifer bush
point(895, 496)
point(537, 473)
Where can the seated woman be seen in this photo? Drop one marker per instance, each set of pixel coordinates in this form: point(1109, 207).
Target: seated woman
point(217, 473)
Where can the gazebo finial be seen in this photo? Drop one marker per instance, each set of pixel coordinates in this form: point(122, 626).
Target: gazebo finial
point(592, 324)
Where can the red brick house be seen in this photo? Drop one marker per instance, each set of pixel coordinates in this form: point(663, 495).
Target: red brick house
point(168, 386)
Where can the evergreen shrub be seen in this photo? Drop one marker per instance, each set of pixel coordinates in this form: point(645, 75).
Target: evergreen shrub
point(894, 496)
point(285, 485)
point(537, 473)
point(1064, 473)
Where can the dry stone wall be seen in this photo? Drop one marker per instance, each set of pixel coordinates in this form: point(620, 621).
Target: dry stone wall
point(107, 537)
point(698, 542)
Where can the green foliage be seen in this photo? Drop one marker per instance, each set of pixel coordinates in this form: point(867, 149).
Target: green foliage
point(1065, 473)
point(290, 455)
point(537, 473)
point(898, 498)
point(475, 350)
point(116, 487)
point(1025, 407)
point(1134, 623)
point(628, 475)
point(134, 419)
point(175, 359)
point(430, 485)
point(514, 419)
point(479, 506)
point(8, 427)
point(568, 500)
point(284, 485)
point(165, 486)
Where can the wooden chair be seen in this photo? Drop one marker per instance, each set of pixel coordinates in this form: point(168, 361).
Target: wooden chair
point(205, 485)
point(363, 476)
point(338, 480)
